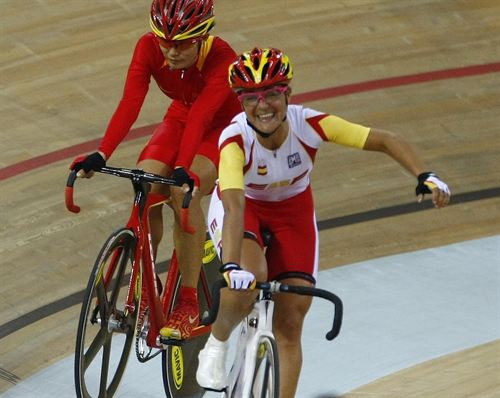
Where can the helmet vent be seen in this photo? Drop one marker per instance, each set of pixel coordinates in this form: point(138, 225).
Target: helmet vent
point(172, 10)
point(188, 15)
point(256, 62)
point(276, 68)
point(249, 73)
point(239, 74)
point(264, 71)
point(199, 29)
point(287, 70)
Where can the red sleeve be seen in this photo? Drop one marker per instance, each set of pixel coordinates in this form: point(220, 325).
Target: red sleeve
point(214, 96)
point(136, 88)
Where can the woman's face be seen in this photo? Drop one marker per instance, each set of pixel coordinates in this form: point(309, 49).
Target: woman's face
point(180, 54)
point(266, 109)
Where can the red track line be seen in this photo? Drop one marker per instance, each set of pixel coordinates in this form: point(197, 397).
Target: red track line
point(65, 153)
point(473, 70)
point(397, 81)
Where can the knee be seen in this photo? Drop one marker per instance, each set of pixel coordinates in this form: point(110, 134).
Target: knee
point(177, 197)
point(289, 330)
point(206, 172)
point(155, 213)
point(289, 319)
point(237, 302)
point(207, 184)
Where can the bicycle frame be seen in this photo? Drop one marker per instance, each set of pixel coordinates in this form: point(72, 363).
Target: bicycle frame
point(113, 303)
point(247, 348)
point(138, 223)
point(258, 324)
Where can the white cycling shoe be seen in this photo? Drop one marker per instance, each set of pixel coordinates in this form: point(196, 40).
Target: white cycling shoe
point(211, 372)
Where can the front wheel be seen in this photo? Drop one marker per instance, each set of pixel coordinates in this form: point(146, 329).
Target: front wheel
point(265, 383)
point(106, 328)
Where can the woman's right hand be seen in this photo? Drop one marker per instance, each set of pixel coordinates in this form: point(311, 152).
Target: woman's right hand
point(237, 278)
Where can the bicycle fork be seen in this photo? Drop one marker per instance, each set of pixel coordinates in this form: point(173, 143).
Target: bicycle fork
point(256, 325)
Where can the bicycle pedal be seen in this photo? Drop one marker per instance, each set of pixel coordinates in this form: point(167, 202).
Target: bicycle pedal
point(165, 341)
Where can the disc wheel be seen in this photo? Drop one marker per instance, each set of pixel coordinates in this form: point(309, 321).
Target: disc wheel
point(106, 329)
point(179, 363)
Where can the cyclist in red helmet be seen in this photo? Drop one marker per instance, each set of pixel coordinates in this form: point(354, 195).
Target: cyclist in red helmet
point(189, 66)
point(266, 157)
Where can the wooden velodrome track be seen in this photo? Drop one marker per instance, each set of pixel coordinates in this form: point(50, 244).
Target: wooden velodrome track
point(62, 67)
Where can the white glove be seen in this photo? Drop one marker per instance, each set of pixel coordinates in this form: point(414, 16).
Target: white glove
point(237, 278)
point(429, 183)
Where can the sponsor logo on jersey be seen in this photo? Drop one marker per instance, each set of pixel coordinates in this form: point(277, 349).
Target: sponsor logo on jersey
point(294, 160)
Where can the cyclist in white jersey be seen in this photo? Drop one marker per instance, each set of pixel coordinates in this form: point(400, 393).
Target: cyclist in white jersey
point(266, 157)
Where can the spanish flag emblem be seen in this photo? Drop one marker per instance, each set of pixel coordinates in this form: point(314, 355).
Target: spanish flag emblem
point(262, 169)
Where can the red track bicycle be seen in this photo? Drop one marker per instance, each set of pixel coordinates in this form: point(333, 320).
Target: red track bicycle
point(122, 302)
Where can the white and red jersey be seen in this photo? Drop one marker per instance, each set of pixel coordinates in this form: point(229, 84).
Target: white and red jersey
point(276, 175)
point(277, 187)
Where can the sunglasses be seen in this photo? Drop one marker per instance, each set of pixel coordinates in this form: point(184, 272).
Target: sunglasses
point(179, 45)
point(268, 96)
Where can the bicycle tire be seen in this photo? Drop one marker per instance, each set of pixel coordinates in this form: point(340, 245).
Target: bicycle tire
point(99, 323)
point(179, 363)
point(265, 377)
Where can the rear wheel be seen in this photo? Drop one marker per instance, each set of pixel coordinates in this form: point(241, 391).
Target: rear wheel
point(106, 328)
point(265, 382)
point(179, 363)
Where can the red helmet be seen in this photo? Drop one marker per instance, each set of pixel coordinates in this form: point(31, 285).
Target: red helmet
point(181, 19)
point(261, 67)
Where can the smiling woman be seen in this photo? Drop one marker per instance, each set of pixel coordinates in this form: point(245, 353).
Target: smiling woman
point(267, 156)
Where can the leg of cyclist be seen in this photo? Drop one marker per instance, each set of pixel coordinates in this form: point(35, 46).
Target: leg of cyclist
point(292, 255)
point(189, 249)
point(289, 314)
point(234, 306)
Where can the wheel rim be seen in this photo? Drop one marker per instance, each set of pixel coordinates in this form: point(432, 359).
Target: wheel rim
point(265, 377)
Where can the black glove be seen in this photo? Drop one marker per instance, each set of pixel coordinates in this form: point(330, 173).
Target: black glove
point(94, 161)
point(229, 267)
point(181, 177)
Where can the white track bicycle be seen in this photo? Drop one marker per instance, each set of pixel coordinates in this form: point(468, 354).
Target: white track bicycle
point(255, 370)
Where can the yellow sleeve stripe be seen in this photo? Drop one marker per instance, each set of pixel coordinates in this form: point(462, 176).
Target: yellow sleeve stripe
point(232, 161)
point(343, 132)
